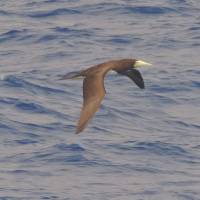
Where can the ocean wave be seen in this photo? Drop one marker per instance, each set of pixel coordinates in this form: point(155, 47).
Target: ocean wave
point(14, 35)
point(160, 148)
point(53, 13)
point(69, 147)
point(75, 32)
point(124, 9)
point(14, 81)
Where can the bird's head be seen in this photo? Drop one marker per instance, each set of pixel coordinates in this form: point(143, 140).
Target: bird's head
point(140, 63)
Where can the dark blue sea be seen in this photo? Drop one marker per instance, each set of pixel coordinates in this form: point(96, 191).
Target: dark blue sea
point(141, 144)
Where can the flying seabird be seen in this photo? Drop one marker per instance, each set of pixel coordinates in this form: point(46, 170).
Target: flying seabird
point(93, 84)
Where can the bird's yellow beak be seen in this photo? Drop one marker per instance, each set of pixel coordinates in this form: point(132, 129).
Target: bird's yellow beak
point(140, 63)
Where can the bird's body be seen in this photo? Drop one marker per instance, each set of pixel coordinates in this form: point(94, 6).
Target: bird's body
point(115, 65)
point(93, 84)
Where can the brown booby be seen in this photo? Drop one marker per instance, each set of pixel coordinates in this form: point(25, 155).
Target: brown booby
point(93, 84)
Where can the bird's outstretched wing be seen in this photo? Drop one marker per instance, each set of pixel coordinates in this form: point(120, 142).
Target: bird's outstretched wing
point(93, 94)
point(136, 76)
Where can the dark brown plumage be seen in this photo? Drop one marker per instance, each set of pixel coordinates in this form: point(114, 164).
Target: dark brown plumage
point(93, 84)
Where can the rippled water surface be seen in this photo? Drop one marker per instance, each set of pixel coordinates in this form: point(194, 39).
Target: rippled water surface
point(142, 144)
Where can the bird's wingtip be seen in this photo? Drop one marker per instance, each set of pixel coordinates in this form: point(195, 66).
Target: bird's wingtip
point(79, 129)
point(77, 132)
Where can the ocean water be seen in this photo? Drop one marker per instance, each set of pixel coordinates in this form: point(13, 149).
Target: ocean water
point(142, 144)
